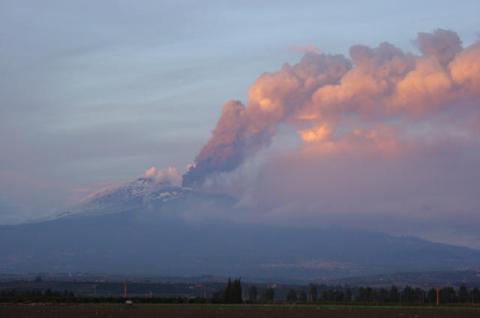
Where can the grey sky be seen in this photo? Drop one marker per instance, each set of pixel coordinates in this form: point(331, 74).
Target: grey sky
point(93, 92)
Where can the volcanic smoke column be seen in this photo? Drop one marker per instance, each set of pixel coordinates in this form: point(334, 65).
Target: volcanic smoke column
point(243, 130)
point(329, 97)
point(233, 139)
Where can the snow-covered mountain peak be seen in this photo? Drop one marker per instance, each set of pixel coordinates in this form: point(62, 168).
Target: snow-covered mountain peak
point(139, 193)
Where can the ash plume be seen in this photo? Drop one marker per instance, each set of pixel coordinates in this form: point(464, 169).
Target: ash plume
point(327, 97)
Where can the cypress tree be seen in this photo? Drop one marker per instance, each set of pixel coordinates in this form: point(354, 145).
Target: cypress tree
point(252, 294)
point(312, 293)
point(233, 292)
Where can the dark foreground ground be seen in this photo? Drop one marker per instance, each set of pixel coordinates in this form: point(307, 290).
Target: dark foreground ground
point(233, 311)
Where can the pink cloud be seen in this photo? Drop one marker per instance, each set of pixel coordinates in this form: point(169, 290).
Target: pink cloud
point(375, 87)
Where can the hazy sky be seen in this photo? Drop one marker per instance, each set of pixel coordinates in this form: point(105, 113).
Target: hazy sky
point(95, 92)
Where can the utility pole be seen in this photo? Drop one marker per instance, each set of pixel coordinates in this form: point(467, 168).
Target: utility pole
point(437, 290)
point(125, 289)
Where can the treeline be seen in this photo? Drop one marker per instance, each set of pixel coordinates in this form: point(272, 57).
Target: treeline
point(344, 294)
point(17, 296)
point(393, 295)
point(233, 293)
point(49, 296)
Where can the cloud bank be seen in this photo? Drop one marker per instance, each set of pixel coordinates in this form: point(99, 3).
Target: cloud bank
point(334, 101)
point(387, 140)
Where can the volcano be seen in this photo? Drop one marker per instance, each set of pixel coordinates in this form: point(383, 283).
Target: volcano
point(148, 228)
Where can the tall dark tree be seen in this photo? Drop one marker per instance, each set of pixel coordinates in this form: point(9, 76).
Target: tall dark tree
point(394, 294)
point(252, 293)
point(419, 295)
point(365, 294)
point(408, 295)
point(431, 296)
point(233, 292)
point(292, 296)
point(348, 294)
point(312, 293)
point(228, 291)
point(476, 295)
point(302, 296)
point(237, 298)
point(463, 294)
point(338, 294)
point(268, 295)
point(382, 295)
point(447, 295)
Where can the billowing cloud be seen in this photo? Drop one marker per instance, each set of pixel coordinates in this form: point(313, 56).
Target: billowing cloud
point(380, 179)
point(309, 48)
point(442, 44)
point(168, 175)
point(331, 99)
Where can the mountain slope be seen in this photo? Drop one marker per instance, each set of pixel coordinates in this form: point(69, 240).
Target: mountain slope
point(147, 194)
point(142, 228)
point(150, 243)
